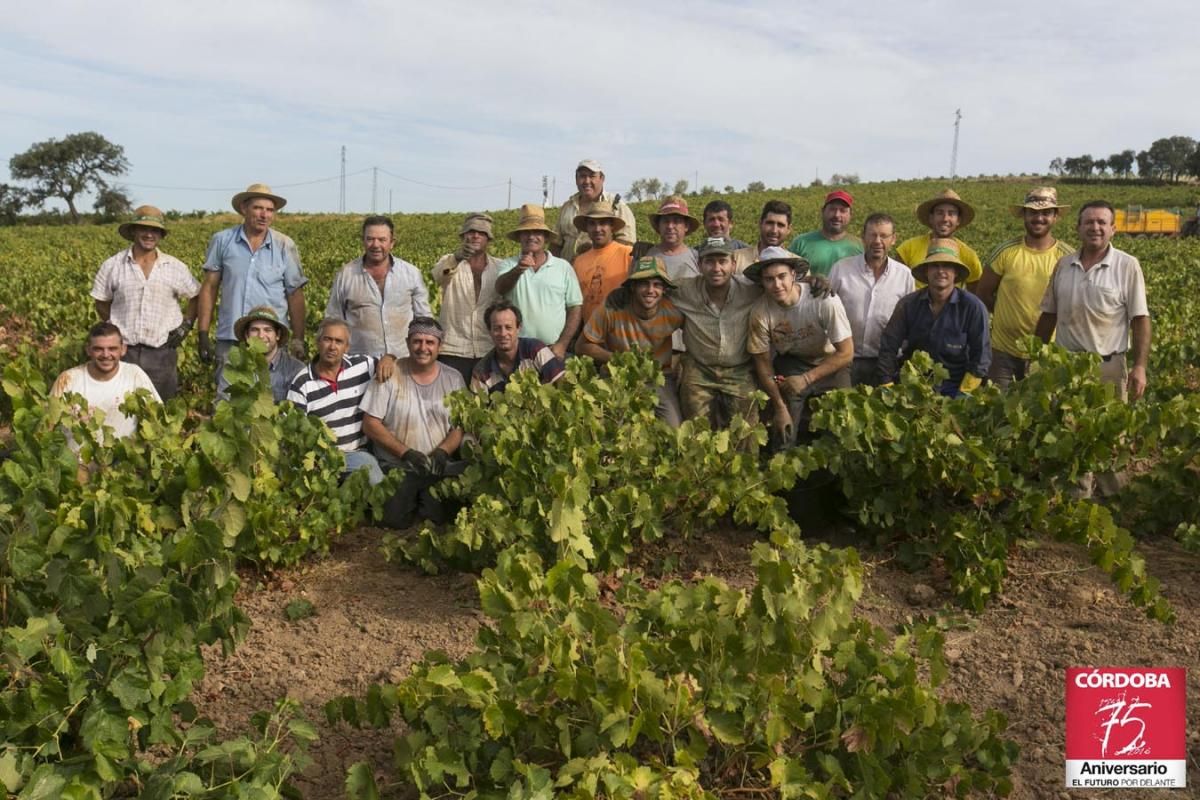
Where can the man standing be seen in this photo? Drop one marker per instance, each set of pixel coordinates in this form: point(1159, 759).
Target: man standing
point(941, 319)
point(646, 318)
point(605, 266)
point(832, 241)
point(589, 179)
point(251, 265)
point(407, 419)
point(803, 340)
point(716, 380)
point(331, 389)
point(774, 228)
point(1014, 282)
point(673, 224)
point(263, 324)
point(105, 380)
point(468, 280)
point(543, 286)
point(869, 286)
point(718, 223)
point(512, 352)
point(1096, 300)
point(944, 215)
point(377, 294)
point(139, 290)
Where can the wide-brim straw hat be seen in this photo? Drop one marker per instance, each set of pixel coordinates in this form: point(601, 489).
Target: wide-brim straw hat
point(533, 218)
point(263, 314)
point(674, 206)
point(1039, 199)
point(774, 255)
point(143, 217)
point(965, 212)
point(601, 209)
point(649, 267)
point(257, 190)
point(942, 251)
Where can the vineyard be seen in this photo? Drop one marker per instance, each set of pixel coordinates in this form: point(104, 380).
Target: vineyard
point(621, 610)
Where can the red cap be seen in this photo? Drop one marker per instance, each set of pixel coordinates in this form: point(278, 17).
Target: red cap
point(839, 194)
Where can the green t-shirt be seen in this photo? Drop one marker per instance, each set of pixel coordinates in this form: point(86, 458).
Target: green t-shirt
point(823, 253)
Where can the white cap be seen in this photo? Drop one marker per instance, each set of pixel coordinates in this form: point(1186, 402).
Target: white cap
point(590, 164)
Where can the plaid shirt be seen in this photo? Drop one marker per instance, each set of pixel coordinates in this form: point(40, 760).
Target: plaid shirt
point(146, 309)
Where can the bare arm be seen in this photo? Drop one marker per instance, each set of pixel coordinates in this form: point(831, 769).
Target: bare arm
point(207, 300)
point(593, 351)
point(378, 433)
point(985, 289)
point(296, 311)
point(452, 441)
point(1046, 324)
point(1140, 345)
point(104, 309)
point(842, 355)
point(570, 328)
point(508, 281)
point(189, 311)
point(764, 373)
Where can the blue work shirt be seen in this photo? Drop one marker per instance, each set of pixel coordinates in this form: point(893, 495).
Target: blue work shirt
point(957, 338)
point(248, 279)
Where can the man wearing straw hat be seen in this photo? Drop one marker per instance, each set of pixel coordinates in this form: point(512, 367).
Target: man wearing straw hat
point(831, 242)
point(1015, 278)
point(589, 179)
point(944, 215)
point(251, 265)
point(605, 266)
point(674, 223)
point(543, 286)
point(947, 322)
point(377, 294)
point(644, 318)
point(797, 340)
point(468, 280)
point(139, 290)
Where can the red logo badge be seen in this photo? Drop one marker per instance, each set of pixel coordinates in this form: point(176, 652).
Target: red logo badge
point(1126, 727)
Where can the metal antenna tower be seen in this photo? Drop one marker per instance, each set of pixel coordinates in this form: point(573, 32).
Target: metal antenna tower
point(954, 150)
point(342, 196)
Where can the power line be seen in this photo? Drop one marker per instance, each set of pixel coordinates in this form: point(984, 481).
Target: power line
point(439, 186)
point(239, 188)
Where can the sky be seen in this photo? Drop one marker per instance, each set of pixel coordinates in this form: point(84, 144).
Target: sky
point(451, 100)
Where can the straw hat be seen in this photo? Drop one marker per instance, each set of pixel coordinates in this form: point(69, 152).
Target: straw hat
point(649, 267)
point(143, 217)
point(674, 205)
point(601, 209)
point(775, 255)
point(257, 190)
point(1039, 199)
point(261, 314)
point(965, 212)
point(942, 251)
point(533, 218)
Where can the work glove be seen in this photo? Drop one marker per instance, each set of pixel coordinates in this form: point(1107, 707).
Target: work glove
point(297, 349)
point(819, 284)
point(969, 383)
point(176, 337)
point(206, 351)
point(438, 462)
point(416, 462)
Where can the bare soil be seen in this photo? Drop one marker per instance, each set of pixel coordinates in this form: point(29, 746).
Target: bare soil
point(375, 619)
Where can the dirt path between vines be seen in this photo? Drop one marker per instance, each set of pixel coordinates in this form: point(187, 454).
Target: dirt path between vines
point(374, 619)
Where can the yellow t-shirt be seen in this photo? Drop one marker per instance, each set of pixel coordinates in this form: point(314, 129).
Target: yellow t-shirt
point(1024, 274)
point(913, 251)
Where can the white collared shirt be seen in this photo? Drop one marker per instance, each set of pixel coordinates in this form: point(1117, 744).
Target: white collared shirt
point(869, 302)
point(1095, 307)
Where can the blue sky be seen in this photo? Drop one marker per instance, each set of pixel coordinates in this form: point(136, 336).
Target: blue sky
point(215, 95)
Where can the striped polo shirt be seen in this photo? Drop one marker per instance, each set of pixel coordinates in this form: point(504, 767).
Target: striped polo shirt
point(621, 330)
point(336, 402)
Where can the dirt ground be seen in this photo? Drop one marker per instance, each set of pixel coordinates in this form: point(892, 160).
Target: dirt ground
point(374, 619)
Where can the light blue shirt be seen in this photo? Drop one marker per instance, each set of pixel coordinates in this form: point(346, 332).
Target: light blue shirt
point(249, 279)
point(544, 296)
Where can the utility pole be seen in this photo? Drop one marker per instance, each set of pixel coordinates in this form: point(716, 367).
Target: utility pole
point(389, 202)
point(954, 150)
point(374, 186)
point(553, 191)
point(545, 190)
point(342, 195)
point(509, 193)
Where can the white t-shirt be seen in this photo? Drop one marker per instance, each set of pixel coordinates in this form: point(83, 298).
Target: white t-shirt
point(107, 396)
point(415, 414)
point(808, 330)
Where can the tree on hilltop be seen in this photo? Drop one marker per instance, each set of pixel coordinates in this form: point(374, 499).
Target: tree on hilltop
point(66, 168)
point(1121, 163)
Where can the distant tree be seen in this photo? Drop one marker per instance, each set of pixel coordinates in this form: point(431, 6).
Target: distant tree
point(756, 186)
point(1079, 166)
point(1121, 163)
point(817, 182)
point(1170, 155)
point(1192, 167)
point(654, 188)
point(1145, 164)
point(729, 189)
point(1057, 167)
point(12, 200)
point(112, 204)
point(65, 169)
point(680, 188)
point(708, 188)
point(838, 179)
point(1100, 166)
point(637, 190)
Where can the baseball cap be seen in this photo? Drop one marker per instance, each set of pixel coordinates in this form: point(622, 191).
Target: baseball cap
point(590, 164)
point(840, 195)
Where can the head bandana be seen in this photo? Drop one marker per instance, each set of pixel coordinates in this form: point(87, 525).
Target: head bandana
point(426, 326)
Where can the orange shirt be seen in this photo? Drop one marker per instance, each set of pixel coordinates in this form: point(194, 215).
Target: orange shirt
point(599, 272)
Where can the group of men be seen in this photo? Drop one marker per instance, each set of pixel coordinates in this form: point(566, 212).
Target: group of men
point(794, 318)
